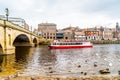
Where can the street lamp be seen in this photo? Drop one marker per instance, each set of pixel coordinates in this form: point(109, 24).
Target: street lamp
point(7, 13)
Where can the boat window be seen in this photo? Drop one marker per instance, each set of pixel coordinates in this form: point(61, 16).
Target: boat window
point(63, 43)
point(54, 43)
point(72, 43)
point(60, 43)
point(69, 43)
point(78, 43)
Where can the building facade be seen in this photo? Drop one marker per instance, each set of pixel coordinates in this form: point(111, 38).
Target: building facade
point(47, 30)
point(68, 35)
point(80, 35)
point(59, 35)
point(117, 27)
point(108, 34)
point(92, 35)
point(26, 26)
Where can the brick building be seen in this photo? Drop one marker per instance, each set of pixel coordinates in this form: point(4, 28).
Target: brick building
point(47, 30)
point(92, 34)
point(80, 35)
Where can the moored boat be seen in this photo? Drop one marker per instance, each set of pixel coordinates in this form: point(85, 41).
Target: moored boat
point(70, 44)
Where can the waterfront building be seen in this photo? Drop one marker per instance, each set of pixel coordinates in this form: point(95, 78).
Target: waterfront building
point(101, 33)
point(71, 30)
point(47, 30)
point(118, 35)
point(80, 35)
point(68, 34)
point(117, 27)
point(92, 34)
point(59, 35)
point(26, 26)
point(117, 31)
point(108, 34)
point(64, 34)
point(35, 31)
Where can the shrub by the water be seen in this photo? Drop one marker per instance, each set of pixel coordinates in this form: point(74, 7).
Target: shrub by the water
point(105, 42)
point(44, 42)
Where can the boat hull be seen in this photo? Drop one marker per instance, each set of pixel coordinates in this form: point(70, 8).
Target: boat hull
point(65, 47)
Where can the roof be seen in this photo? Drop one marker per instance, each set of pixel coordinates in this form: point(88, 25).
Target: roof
point(47, 24)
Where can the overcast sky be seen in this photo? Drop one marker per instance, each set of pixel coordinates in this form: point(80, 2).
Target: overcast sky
point(81, 13)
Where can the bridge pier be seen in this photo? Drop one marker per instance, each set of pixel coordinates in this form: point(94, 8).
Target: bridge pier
point(9, 50)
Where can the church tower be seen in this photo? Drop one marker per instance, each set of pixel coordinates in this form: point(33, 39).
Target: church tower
point(117, 27)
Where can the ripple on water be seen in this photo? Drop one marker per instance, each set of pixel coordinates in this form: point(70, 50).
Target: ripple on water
point(63, 62)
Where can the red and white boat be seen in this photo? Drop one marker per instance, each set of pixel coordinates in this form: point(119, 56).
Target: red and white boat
point(70, 44)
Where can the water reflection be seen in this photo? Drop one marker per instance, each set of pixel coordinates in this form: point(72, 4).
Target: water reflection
point(1, 51)
point(41, 62)
point(67, 62)
point(22, 54)
point(1, 60)
point(14, 63)
point(46, 57)
point(7, 65)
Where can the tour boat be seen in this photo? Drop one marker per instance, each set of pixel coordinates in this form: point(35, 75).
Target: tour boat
point(70, 44)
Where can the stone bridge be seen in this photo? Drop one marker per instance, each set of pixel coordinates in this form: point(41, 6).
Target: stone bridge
point(12, 35)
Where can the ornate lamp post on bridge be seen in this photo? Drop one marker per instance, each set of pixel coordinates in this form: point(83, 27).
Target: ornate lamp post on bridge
point(7, 13)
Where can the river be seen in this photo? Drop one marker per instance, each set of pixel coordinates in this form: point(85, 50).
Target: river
point(29, 61)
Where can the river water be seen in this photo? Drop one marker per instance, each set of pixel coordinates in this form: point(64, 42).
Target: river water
point(41, 60)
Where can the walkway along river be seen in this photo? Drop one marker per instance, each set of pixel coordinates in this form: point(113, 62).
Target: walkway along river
point(62, 62)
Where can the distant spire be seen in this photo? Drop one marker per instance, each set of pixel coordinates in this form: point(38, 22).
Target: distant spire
point(117, 26)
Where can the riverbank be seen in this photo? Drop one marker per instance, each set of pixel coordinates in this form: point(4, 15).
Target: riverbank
point(59, 78)
point(46, 42)
point(105, 42)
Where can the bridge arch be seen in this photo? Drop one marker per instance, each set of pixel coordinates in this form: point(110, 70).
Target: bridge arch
point(35, 42)
point(21, 39)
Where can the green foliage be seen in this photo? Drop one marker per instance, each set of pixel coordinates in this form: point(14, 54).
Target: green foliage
point(105, 42)
point(44, 42)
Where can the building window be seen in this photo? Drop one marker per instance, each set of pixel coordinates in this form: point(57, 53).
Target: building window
point(39, 34)
point(66, 37)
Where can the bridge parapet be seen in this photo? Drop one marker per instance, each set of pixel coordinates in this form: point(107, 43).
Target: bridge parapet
point(10, 31)
point(1, 22)
point(4, 23)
